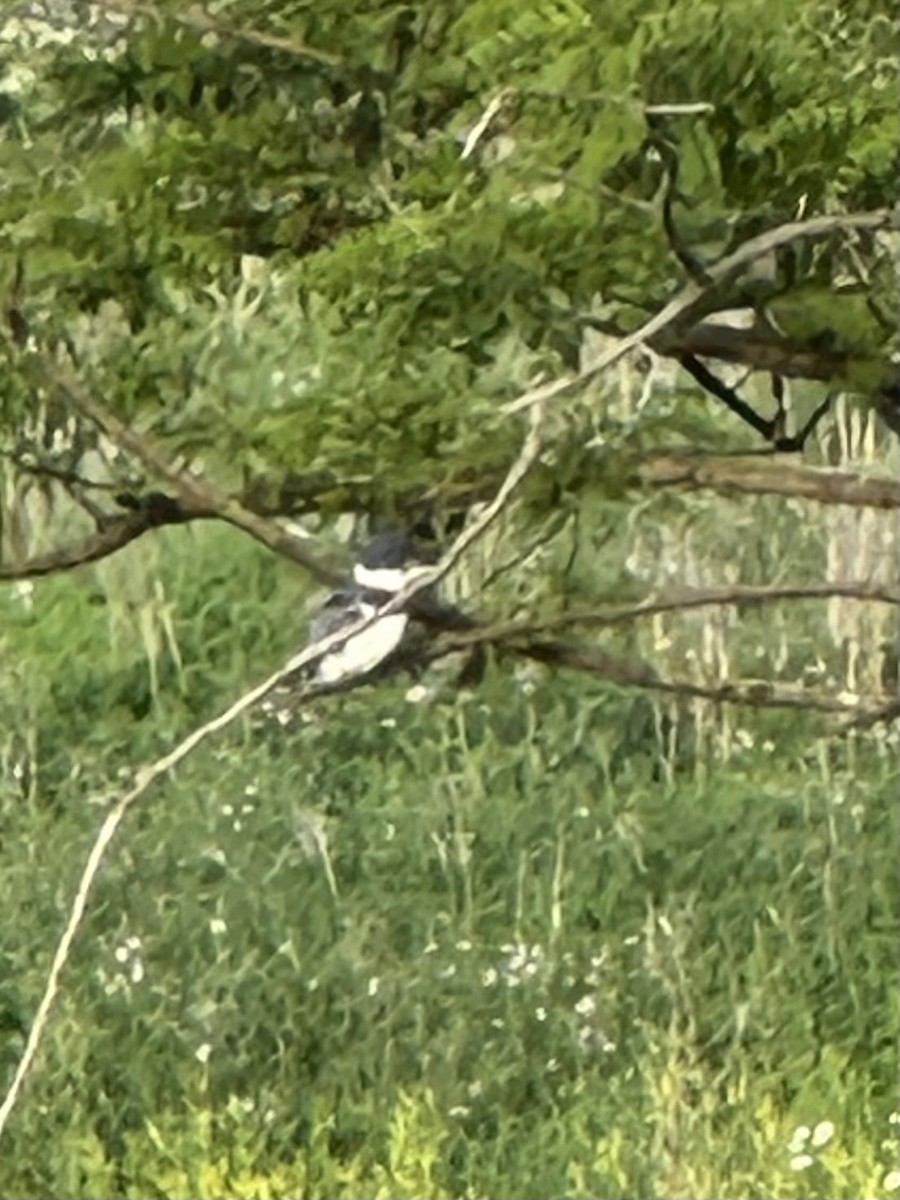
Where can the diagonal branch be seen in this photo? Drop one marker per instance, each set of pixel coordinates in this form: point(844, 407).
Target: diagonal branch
point(196, 496)
point(729, 397)
point(689, 304)
point(114, 533)
point(148, 775)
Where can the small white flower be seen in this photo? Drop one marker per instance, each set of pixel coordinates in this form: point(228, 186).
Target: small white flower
point(475, 1089)
point(137, 971)
point(801, 1161)
point(464, 944)
point(822, 1133)
point(891, 1181)
point(217, 926)
point(459, 1110)
point(541, 1013)
point(586, 1006)
point(489, 977)
point(23, 592)
point(373, 985)
point(202, 1053)
point(799, 1138)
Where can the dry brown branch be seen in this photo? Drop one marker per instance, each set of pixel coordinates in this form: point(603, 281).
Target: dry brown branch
point(148, 775)
point(748, 693)
point(637, 674)
point(768, 474)
point(196, 496)
point(115, 533)
point(678, 600)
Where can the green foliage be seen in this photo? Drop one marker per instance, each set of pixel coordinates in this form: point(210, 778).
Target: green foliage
point(141, 165)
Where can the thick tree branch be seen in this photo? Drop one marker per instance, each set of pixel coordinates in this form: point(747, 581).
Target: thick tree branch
point(750, 474)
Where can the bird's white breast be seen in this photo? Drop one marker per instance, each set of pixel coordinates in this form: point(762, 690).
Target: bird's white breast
point(364, 651)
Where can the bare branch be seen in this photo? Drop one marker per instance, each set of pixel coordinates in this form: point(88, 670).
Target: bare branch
point(115, 532)
point(766, 475)
point(196, 496)
point(687, 306)
point(679, 600)
point(148, 775)
point(752, 694)
point(729, 397)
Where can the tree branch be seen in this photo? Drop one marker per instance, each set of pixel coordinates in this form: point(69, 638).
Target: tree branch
point(115, 532)
point(146, 776)
point(680, 600)
point(766, 475)
point(196, 496)
point(689, 305)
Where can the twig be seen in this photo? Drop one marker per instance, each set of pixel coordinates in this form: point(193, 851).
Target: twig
point(683, 600)
point(478, 130)
point(729, 397)
point(148, 775)
point(699, 108)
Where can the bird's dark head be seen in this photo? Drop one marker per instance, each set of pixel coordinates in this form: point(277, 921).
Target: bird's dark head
point(391, 548)
point(387, 562)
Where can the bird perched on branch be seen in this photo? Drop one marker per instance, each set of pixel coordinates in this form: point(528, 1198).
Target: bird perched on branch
point(385, 565)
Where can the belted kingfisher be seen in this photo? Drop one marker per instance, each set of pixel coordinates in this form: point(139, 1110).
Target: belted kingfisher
point(386, 564)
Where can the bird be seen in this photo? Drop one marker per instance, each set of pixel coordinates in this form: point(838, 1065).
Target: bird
point(364, 651)
point(386, 564)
